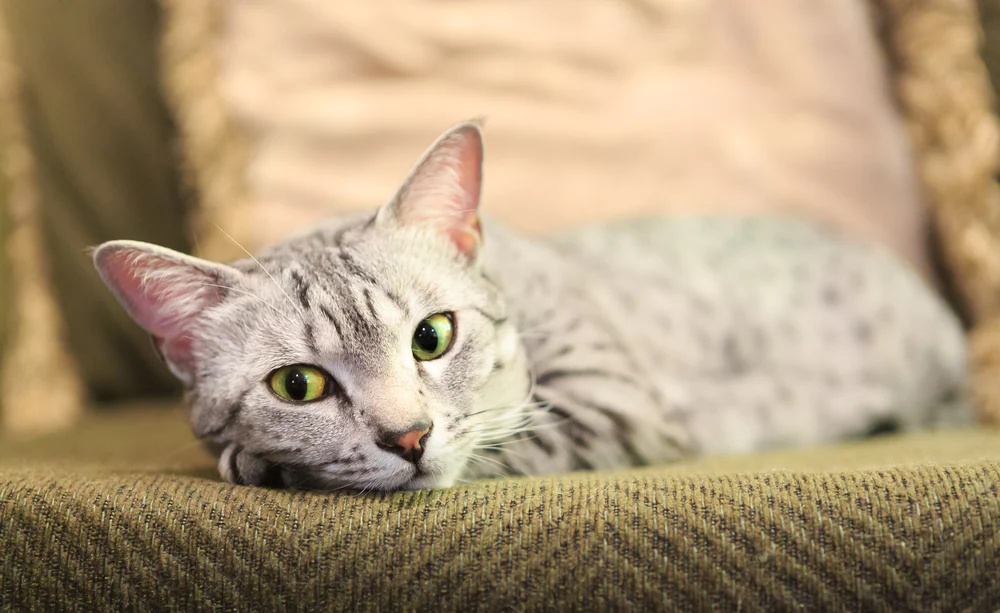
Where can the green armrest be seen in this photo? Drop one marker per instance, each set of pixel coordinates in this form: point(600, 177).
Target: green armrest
point(127, 513)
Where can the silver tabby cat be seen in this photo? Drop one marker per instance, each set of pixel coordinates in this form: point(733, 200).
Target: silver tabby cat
point(411, 347)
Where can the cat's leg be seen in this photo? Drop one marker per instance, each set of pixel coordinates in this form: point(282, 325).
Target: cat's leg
point(772, 410)
point(236, 465)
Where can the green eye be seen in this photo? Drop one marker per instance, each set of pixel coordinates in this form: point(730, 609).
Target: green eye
point(433, 337)
point(300, 383)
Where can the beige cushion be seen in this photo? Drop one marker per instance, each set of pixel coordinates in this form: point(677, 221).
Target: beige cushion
point(595, 109)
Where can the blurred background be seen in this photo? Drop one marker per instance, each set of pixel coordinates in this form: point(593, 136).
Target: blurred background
point(180, 121)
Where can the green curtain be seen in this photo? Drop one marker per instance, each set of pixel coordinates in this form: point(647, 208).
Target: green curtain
point(105, 153)
point(990, 12)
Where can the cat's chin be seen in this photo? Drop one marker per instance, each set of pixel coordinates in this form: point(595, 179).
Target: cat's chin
point(408, 480)
point(428, 482)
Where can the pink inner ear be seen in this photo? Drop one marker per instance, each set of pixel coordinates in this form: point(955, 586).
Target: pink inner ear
point(163, 296)
point(444, 190)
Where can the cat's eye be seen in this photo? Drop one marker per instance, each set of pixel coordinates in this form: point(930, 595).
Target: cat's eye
point(433, 336)
point(300, 383)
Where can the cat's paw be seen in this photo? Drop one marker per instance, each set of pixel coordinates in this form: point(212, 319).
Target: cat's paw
point(238, 466)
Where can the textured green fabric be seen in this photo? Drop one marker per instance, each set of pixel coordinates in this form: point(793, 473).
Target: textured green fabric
point(106, 167)
point(126, 513)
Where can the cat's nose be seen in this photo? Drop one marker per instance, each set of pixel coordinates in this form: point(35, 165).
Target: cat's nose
point(409, 443)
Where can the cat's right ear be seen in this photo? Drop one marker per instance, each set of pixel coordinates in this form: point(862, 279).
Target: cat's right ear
point(165, 292)
point(442, 191)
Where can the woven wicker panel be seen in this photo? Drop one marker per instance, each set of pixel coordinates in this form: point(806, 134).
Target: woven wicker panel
point(945, 92)
point(946, 97)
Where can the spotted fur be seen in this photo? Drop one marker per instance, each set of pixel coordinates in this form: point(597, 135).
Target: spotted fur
point(639, 342)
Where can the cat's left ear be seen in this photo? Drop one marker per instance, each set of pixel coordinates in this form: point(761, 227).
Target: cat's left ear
point(442, 191)
point(167, 293)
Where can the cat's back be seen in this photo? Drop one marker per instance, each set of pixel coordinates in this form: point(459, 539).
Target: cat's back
point(778, 297)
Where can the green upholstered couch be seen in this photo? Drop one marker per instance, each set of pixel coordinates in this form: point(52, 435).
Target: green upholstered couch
point(126, 513)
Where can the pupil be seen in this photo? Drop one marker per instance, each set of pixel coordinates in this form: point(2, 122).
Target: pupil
point(426, 337)
point(297, 385)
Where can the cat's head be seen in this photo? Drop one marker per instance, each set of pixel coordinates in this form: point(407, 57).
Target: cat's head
point(369, 353)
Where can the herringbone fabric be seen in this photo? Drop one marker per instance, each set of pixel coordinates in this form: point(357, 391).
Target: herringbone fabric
point(142, 524)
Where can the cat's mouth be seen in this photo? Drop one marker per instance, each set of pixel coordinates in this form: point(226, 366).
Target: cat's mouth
point(422, 475)
point(425, 481)
point(427, 476)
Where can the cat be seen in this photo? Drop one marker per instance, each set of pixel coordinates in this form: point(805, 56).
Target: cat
point(415, 346)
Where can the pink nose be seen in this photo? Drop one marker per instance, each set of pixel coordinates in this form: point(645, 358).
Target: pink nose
point(411, 440)
point(409, 444)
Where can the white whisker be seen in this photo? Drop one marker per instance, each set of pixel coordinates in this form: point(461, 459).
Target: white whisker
point(252, 295)
point(503, 468)
point(268, 273)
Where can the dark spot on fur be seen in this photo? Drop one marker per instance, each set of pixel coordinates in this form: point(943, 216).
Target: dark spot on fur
point(310, 338)
point(731, 354)
point(863, 331)
point(950, 396)
point(701, 304)
point(336, 324)
point(232, 412)
point(784, 394)
point(352, 267)
point(564, 351)
point(541, 443)
point(888, 425)
point(364, 327)
point(370, 303)
point(831, 296)
point(301, 287)
point(669, 440)
point(576, 431)
point(581, 463)
point(341, 394)
point(547, 377)
point(396, 299)
point(497, 320)
point(234, 470)
point(272, 477)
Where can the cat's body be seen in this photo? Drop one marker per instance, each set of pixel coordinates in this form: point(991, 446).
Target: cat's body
point(657, 337)
point(631, 343)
